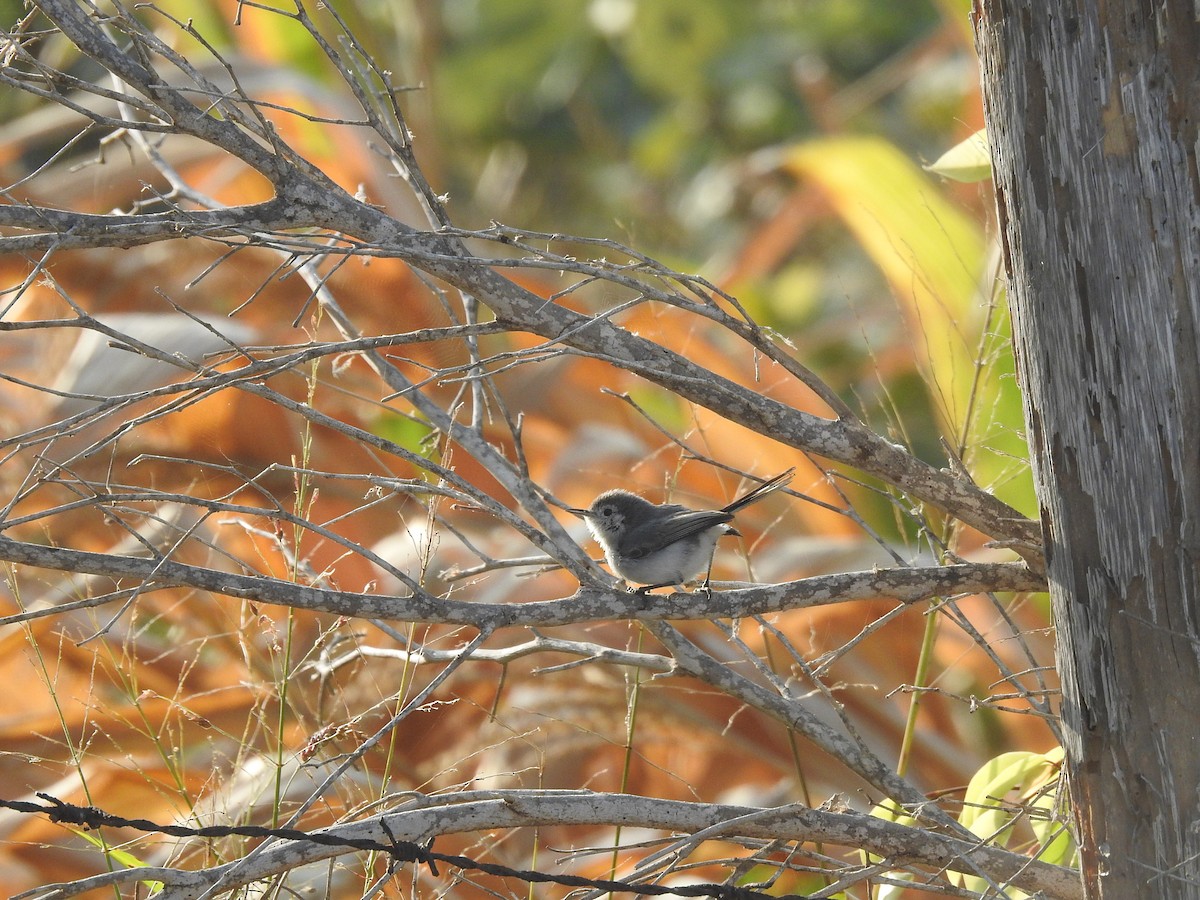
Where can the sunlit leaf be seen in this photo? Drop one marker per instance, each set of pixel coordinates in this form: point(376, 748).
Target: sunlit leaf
point(969, 160)
point(1007, 787)
point(124, 857)
point(929, 250)
point(933, 257)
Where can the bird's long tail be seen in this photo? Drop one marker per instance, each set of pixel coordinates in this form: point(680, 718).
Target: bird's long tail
point(771, 484)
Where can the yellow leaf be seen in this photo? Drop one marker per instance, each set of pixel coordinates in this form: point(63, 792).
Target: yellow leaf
point(930, 251)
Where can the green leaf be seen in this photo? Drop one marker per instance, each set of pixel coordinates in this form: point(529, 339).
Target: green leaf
point(968, 161)
point(1057, 842)
point(410, 433)
point(989, 807)
point(124, 857)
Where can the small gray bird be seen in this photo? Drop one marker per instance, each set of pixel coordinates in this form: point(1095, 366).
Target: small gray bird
point(661, 545)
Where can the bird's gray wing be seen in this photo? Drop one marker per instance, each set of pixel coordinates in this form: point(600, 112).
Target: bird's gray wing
point(682, 523)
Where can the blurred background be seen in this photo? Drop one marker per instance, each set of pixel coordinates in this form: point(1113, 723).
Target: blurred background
point(776, 147)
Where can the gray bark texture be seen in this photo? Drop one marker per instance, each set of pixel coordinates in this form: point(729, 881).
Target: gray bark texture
point(1093, 111)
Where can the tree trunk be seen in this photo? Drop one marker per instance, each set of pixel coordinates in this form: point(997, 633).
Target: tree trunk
point(1093, 110)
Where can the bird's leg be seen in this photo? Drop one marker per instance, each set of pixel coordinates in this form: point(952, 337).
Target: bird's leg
point(705, 586)
point(654, 587)
point(643, 593)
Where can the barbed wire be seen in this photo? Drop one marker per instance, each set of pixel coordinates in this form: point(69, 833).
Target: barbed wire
point(91, 817)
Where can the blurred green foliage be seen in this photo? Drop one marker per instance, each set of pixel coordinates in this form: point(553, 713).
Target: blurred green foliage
point(585, 115)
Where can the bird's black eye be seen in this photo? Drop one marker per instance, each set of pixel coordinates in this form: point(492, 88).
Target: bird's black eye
point(608, 510)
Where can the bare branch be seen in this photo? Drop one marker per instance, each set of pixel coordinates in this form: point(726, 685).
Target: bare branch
point(904, 585)
point(420, 818)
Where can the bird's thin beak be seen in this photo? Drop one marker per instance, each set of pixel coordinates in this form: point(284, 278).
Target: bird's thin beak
point(582, 513)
